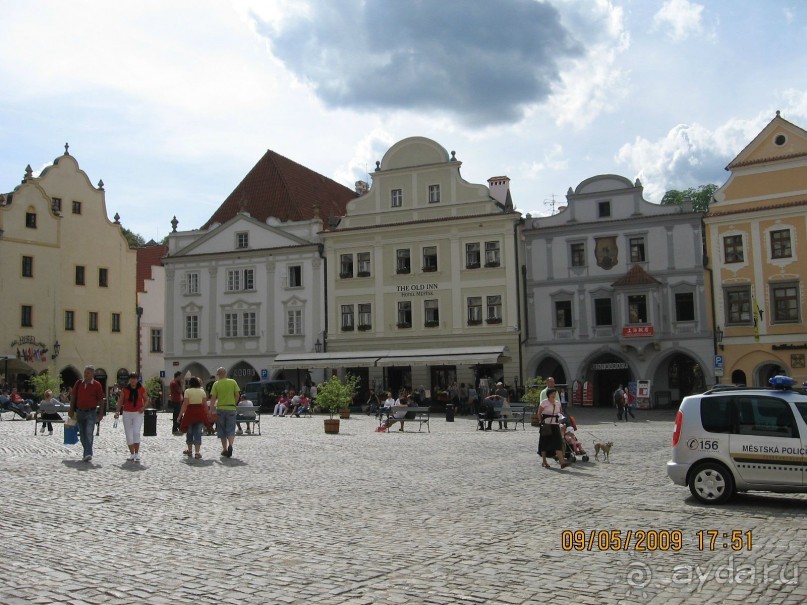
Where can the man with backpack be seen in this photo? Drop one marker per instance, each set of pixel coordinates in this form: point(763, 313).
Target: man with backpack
point(619, 402)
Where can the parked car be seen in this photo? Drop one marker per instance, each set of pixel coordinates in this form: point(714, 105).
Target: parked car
point(732, 439)
point(264, 393)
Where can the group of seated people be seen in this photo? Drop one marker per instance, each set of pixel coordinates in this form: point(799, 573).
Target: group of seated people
point(292, 404)
point(388, 417)
point(14, 402)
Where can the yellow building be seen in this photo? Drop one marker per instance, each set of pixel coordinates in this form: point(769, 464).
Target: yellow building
point(755, 229)
point(67, 279)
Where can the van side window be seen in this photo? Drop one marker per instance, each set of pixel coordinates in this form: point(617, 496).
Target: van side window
point(765, 417)
point(716, 414)
point(801, 406)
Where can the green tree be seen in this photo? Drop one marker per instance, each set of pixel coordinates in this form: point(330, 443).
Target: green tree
point(701, 197)
point(335, 394)
point(533, 387)
point(135, 239)
point(44, 381)
point(154, 387)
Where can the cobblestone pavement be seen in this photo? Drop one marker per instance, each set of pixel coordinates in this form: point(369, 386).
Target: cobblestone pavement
point(451, 516)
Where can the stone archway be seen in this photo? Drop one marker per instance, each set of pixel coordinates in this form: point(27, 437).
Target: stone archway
point(604, 372)
point(551, 367)
point(765, 372)
point(242, 373)
point(738, 378)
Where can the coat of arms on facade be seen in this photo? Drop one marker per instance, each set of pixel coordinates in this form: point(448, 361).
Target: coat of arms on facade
point(606, 252)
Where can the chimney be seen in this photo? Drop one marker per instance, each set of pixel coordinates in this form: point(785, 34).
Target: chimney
point(499, 188)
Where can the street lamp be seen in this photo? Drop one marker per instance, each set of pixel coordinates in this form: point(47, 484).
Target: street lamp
point(719, 337)
point(318, 346)
point(56, 348)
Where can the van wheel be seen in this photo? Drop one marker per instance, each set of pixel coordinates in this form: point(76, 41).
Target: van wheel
point(711, 483)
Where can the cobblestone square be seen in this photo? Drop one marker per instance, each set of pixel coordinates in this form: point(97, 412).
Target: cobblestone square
point(452, 516)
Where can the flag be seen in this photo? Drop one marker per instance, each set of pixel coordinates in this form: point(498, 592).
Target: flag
point(757, 317)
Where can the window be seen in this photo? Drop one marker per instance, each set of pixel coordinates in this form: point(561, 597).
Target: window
point(296, 276)
point(604, 209)
point(738, 305)
point(578, 253)
point(93, 321)
point(733, 248)
point(76, 207)
point(242, 240)
point(249, 323)
point(472, 256)
point(191, 327)
point(230, 325)
point(563, 314)
point(27, 316)
point(494, 309)
point(347, 317)
point(30, 220)
point(365, 316)
point(785, 299)
point(430, 258)
point(294, 322)
point(431, 313)
point(474, 310)
point(116, 322)
point(434, 194)
point(637, 249)
point(56, 204)
point(239, 280)
point(396, 198)
point(79, 275)
point(69, 320)
point(404, 314)
point(27, 266)
point(685, 306)
point(402, 261)
point(103, 278)
point(156, 340)
point(491, 254)
point(192, 280)
point(637, 309)
point(780, 244)
point(363, 262)
point(346, 266)
point(603, 315)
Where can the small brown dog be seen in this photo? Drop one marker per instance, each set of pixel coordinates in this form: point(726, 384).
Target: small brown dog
point(605, 448)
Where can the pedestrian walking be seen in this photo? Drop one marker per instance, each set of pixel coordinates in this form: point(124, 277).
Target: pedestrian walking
point(224, 397)
point(175, 396)
point(619, 402)
point(131, 403)
point(193, 416)
point(86, 399)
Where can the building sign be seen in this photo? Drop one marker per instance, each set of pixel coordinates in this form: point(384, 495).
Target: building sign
point(28, 349)
point(416, 289)
point(636, 331)
point(616, 365)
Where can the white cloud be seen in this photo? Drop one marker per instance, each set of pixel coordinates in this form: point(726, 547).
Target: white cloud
point(682, 17)
point(592, 84)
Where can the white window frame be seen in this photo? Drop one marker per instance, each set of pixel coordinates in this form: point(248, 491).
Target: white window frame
point(191, 326)
point(192, 282)
point(240, 280)
point(434, 194)
point(493, 257)
point(493, 306)
point(396, 198)
point(295, 276)
point(294, 322)
point(242, 240)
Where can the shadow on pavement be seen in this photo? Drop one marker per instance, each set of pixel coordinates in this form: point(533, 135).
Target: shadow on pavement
point(80, 465)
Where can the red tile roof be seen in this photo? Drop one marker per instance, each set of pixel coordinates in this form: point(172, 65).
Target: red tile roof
point(148, 257)
point(636, 276)
point(281, 188)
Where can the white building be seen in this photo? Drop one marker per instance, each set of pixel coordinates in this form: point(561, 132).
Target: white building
point(250, 284)
point(615, 294)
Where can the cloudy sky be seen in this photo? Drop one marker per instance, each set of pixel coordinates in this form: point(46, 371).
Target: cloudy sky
point(172, 102)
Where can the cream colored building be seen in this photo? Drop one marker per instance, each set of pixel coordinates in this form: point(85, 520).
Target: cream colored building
point(67, 276)
point(754, 230)
point(422, 278)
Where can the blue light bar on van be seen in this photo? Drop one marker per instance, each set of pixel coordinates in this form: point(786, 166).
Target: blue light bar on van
point(783, 383)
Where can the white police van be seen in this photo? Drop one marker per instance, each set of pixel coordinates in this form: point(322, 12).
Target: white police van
point(732, 439)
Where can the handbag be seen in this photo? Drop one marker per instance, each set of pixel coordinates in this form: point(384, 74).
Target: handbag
point(546, 430)
point(70, 434)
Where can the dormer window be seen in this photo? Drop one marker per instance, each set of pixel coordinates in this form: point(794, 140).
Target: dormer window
point(396, 198)
point(242, 240)
point(604, 209)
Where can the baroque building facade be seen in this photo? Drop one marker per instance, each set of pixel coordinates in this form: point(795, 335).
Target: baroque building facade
point(755, 227)
point(422, 280)
point(72, 302)
point(615, 294)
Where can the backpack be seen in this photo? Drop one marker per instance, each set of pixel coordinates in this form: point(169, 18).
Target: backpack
point(619, 397)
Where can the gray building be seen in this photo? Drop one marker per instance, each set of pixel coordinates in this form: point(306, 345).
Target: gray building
point(615, 293)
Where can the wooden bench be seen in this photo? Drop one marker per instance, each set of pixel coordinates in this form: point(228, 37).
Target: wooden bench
point(517, 415)
point(55, 409)
point(413, 414)
point(249, 413)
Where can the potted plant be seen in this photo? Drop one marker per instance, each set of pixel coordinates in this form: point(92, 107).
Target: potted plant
point(334, 395)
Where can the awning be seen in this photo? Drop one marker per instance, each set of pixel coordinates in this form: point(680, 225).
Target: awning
point(403, 357)
point(14, 365)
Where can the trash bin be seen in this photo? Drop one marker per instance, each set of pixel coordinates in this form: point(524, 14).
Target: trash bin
point(150, 422)
point(449, 413)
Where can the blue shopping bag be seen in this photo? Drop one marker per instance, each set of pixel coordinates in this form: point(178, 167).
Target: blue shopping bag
point(70, 434)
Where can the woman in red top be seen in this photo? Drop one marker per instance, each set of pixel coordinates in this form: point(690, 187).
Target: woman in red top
point(132, 401)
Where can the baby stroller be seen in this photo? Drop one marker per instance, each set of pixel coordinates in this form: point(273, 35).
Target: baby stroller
point(572, 446)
